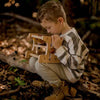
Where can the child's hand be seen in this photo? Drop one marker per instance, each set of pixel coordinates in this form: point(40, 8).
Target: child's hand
point(56, 41)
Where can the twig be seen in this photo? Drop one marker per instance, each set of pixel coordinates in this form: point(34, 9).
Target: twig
point(10, 92)
point(86, 35)
point(80, 19)
point(87, 86)
point(92, 50)
point(94, 92)
point(86, 18)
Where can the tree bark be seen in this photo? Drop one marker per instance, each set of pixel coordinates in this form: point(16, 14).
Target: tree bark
point(14, 60)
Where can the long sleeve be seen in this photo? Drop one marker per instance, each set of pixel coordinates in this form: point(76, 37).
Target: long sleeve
point(72, 55)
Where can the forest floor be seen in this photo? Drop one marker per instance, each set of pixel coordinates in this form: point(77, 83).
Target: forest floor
point(18, 84)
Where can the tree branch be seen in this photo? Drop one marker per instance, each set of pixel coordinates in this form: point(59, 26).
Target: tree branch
point(22, 18)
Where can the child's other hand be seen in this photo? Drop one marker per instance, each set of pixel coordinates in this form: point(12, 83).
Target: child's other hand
point(56, 41)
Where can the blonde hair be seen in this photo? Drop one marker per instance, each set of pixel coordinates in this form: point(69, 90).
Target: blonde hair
point(51, 10)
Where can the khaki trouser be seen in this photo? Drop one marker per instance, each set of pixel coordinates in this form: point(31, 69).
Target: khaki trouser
point(53, 73)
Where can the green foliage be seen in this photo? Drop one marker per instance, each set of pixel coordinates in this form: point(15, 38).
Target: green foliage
point(24, 60)
point(13, 68)
point(95, 25)
point(19, 81)
point(9, 83)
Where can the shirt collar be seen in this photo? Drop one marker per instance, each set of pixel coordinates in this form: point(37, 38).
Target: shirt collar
point(71, 30)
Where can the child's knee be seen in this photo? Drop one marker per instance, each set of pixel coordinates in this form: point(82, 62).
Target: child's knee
point(32, 61)
point(39, 67)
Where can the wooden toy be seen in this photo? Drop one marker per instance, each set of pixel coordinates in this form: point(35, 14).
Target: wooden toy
point(42, 49)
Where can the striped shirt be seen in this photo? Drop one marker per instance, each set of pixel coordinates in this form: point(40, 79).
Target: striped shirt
point(72, 54)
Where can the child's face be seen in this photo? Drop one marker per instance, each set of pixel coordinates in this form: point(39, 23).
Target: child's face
point(51, 27)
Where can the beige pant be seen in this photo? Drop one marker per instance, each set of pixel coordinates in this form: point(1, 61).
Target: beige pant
point(53, 73)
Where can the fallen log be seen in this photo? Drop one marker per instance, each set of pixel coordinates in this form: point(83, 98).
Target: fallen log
point(14, 60)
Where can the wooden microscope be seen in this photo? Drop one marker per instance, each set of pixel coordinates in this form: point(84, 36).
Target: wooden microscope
point(42, 49)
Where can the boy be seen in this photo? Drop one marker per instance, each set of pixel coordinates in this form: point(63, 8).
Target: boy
point(70, 49)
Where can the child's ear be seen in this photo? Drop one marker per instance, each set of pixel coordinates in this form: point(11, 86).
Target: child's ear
point(60, 19)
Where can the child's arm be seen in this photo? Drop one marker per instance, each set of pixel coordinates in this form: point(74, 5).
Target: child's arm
point(70, 58)
point(67, 58)
point(63, 53)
